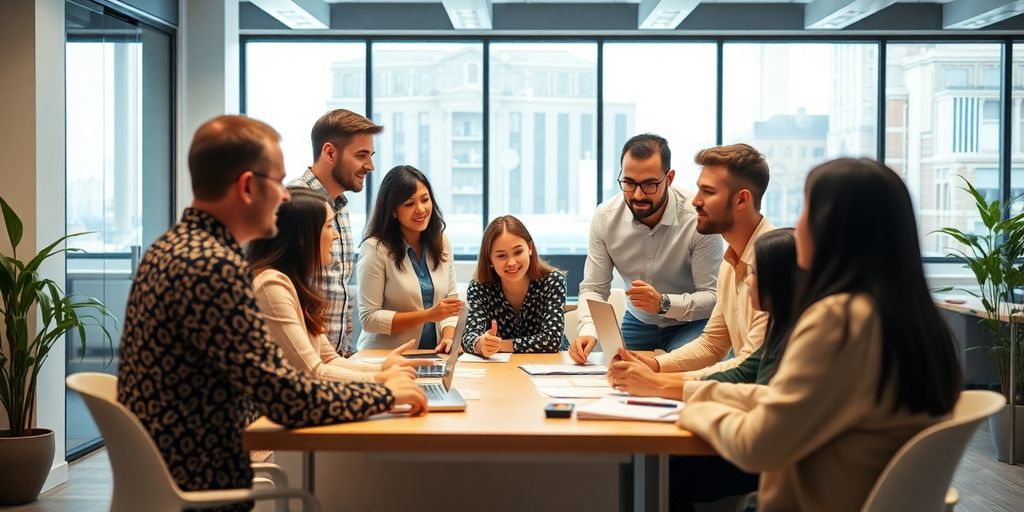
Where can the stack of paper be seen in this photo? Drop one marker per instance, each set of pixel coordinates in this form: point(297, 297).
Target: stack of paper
point(500, 357)
point(630, 408)
point(563, 369)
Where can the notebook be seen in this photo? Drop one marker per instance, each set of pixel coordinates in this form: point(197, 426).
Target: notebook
point(630, 408)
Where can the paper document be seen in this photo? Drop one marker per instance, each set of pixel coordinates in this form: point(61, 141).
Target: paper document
point(470, 394)
point(500, 357)
point(470, 373)
point(371, 360)
point(570, 382)
point(630, 408)
point(573, 392)
point(563, 369)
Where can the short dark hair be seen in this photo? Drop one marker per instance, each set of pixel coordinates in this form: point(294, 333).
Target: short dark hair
point(746, 166)
point(225, 147)
point(644, 146)
point(338, 127)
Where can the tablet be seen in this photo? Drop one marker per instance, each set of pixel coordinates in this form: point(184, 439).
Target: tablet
point(608, 333)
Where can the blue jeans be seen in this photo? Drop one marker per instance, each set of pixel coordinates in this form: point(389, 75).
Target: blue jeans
point(638, 335)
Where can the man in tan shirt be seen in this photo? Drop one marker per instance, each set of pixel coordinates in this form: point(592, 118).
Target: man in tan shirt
point(728, 201)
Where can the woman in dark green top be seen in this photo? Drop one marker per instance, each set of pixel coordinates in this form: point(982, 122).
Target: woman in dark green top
point(772, 288)
point(772, 285)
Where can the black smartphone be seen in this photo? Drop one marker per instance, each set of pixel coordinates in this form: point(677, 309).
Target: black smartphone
point(559, 409)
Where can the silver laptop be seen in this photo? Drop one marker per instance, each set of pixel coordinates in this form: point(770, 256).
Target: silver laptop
point(441, 396)
point(609, 336)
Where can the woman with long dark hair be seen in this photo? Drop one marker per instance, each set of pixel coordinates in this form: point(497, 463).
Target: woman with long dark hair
point(868, 364)
point(406, 276)
point(516, 302)
point(287, 272)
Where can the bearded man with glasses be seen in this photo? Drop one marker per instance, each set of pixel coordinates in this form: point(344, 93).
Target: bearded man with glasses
point(649, 235)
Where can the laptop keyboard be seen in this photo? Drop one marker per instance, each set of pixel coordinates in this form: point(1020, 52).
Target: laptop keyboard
point(434, 370)
point(434, 391)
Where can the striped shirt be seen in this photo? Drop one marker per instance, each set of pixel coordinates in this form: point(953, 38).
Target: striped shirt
point(338, 273)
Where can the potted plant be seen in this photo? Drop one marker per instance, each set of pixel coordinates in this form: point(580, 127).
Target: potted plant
point(28, 299)
point(993, 258)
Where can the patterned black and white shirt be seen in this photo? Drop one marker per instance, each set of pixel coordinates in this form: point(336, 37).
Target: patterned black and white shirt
point(539, 326)
point(197, 361)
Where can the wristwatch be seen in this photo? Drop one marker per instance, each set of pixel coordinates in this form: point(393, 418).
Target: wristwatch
point(665, 304)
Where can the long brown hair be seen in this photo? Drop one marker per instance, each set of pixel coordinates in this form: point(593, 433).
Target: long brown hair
point(485, 274)
point(295, 252)
point(398, 185)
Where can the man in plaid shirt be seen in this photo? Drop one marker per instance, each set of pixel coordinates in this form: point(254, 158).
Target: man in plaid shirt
point(342, 157)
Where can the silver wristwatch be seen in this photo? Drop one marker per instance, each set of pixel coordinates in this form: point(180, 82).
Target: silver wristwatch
point(665, 304)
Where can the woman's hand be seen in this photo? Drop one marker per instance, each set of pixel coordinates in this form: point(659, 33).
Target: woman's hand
point(443, 346)
point(383, 376)
point(488, 343)
point(395, 358)
point(444, 309)
point(649, 361)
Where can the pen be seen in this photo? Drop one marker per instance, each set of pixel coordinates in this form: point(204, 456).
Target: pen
point(650, 404)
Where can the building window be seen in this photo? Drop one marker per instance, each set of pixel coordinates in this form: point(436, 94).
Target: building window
point(472, 73)
point(956, 78)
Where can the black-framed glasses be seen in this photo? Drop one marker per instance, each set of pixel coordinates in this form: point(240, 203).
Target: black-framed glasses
point(647, 187)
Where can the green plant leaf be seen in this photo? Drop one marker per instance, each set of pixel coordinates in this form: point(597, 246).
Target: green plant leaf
point(13, 224)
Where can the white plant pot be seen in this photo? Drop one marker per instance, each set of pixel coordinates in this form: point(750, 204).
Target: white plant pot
point(999, 426)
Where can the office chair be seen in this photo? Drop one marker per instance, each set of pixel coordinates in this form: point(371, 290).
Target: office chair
point(141, 478)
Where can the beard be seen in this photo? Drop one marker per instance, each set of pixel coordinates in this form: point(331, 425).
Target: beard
point(347, 180)
point(712, 226)
point(651, 210)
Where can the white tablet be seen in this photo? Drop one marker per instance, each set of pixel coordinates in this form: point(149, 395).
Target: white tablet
point(608, 333)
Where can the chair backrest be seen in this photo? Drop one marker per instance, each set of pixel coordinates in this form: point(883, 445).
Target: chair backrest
point(141, 478)
point(919, 475)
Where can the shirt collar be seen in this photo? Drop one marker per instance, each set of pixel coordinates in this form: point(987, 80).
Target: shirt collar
point(195, 218)
point(747, 258)
point(314, 183)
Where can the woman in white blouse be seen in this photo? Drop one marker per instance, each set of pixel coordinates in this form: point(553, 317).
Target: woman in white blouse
point(405, 274)
point(286, 271)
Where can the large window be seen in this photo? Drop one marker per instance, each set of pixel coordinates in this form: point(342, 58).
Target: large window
point(799, 115)
point(543, 160)
point(550, 145)
point(119, 120)
point(663, 88)
point(429, 97)
point(942, 123)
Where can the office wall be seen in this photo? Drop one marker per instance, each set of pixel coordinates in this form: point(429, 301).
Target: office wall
point(32, 144)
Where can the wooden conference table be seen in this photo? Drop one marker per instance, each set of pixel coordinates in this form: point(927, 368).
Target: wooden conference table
point(508, 417)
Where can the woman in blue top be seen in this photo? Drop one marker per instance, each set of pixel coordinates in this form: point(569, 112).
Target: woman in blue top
point(516, 301)
point(407, 287)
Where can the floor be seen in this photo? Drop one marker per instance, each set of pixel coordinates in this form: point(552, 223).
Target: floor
point(984, 484)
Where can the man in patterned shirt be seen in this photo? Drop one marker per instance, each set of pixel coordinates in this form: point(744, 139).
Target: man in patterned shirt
point(342, 157)
point(196, 357)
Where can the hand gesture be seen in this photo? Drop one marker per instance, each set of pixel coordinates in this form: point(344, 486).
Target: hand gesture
point(651, 362)
point(488, 343)
point(629, 374)
point(407, 393)
point(395, 358)
point(581, 348)
point(443, 346)
point(444, 309)
point(644, 297)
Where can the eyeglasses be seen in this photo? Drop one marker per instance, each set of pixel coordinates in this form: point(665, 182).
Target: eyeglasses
point(278, 182)
point(647, 187)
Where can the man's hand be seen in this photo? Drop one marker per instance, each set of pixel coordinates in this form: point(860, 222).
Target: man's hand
point(636, 378)
point(651, 362)
point(443, 346)
point(395, 358)
point(489, 343)
point(407, 393)
point(581, 348)
point(383, 376)
point(644, 297)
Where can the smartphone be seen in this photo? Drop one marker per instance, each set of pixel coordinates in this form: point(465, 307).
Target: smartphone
point(559, 409)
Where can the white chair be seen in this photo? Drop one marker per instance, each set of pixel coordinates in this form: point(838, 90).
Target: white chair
point(617, 298)
point(918, 476)
point(141, 478)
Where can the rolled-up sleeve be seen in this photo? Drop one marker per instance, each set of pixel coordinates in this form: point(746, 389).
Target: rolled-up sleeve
point(597, 276)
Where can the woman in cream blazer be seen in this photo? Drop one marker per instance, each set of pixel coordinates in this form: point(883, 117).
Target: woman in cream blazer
point(405, 274)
